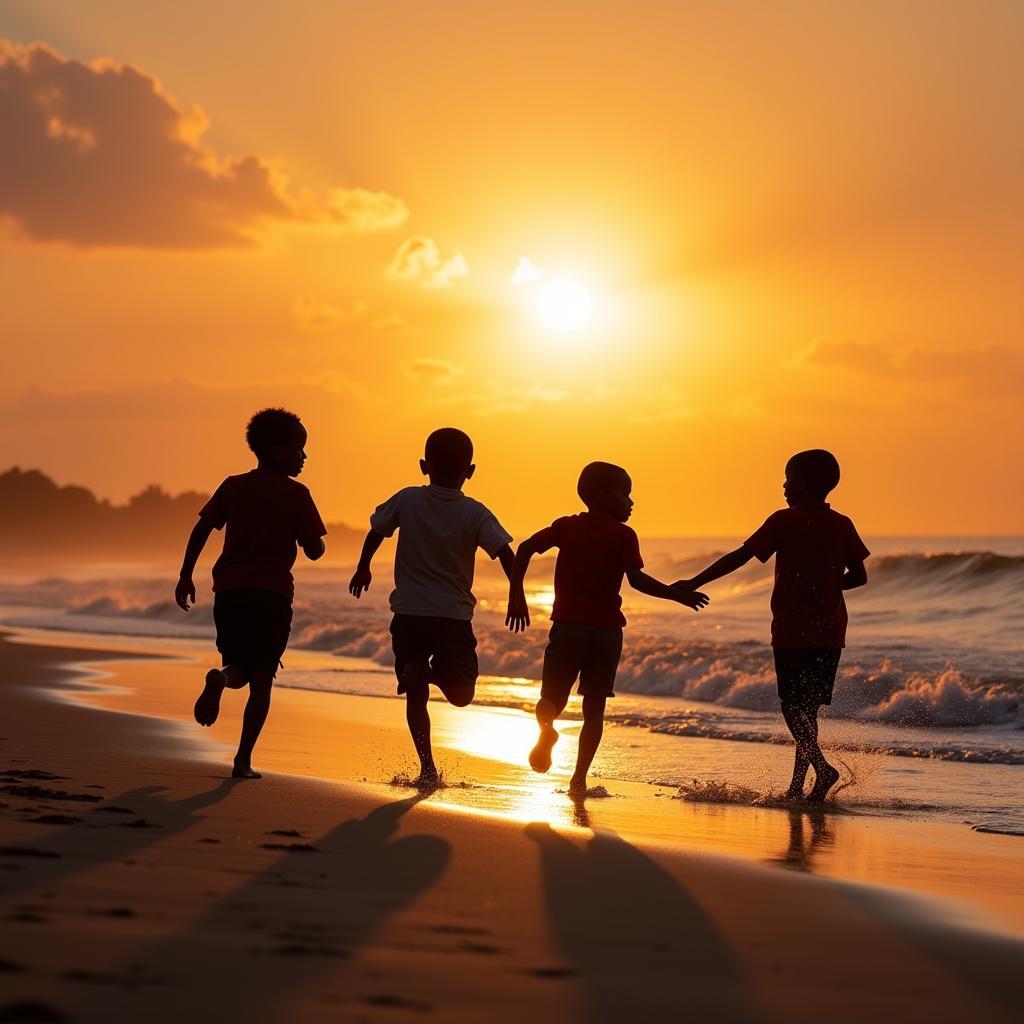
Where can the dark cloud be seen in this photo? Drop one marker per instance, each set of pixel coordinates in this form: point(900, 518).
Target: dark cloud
point(97, 154)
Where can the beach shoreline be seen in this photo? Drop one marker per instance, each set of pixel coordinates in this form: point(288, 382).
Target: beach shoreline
point(595, 919)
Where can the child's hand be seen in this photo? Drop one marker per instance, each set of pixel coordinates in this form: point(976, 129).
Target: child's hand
point(684, 593)
point(518, 617)
point(184, 591)
point(360, 581)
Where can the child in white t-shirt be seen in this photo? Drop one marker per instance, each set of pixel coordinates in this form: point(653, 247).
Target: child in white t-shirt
point(439, 530)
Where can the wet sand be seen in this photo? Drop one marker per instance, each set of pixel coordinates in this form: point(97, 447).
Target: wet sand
point(139, 882)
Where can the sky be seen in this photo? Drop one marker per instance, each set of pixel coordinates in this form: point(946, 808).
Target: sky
point(796, 225)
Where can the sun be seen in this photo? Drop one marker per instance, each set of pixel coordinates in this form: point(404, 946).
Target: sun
point(564, 305)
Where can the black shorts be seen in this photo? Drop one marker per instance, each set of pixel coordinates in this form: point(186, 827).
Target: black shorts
point(252, 628)
point(447, 647)
point(806, 675)
point(590, 652)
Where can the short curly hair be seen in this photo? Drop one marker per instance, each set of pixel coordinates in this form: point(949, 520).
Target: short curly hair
point(448, 451)
point(818, 469)
point(269, 427)
point(597, 477)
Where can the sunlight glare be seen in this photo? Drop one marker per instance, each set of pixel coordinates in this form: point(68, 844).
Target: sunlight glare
point(564, 305)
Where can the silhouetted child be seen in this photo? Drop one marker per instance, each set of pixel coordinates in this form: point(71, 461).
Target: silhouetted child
point(439, 531)
point(595, 550)
point(818, 555)
point(266, 513)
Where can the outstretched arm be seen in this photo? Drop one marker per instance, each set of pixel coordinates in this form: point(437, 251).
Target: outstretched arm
point(639, 580)
point(362, 577)
point(185, 590)
point(518, 615)
point(725, 565)
point(855, 576)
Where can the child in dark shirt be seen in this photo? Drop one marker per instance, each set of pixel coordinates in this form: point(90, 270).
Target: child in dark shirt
point(266, 513)
point(595, 549)
point(818, 555)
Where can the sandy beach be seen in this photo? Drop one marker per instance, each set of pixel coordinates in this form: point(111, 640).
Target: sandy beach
point(140, 882)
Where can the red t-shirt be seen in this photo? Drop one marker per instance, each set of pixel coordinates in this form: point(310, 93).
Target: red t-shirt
point(813, 546)
point(594, 552)
point(266, 515)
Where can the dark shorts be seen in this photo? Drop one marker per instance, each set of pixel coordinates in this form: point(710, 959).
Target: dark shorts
point(252, 628)
point(446, 646)
point(576, 650)
point(806, 675)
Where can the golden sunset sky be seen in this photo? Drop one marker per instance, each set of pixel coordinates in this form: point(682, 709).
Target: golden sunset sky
point(801, 225)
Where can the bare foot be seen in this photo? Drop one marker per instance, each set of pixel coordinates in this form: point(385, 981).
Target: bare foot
point(208, 703)
point(577, 789)
point(825, 781)
point(428, 780)
point(540, 756)
point(244, 771)
point(413, 677)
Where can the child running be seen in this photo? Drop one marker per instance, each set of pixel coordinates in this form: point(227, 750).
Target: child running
point(439, 531)
point(266, 513)
point(818, 555)
point(595, 549)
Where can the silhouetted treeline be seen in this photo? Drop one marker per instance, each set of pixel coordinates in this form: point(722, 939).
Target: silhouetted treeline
point(40, 520)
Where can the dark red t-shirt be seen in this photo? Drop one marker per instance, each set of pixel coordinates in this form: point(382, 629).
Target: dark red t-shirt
point(594, 552)
point(266, 515)
point(813, 546)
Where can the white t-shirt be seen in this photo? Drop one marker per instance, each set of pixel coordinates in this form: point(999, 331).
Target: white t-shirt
point(439, 530)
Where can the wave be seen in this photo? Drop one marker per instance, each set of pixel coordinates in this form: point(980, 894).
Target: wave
point(737, 675)
point(908, 688)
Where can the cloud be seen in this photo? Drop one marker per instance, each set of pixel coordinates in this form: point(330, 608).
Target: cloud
point(358, 209)
point(526, 272)
point(419, 260)
point(311, 315)
point(994, 368)
point(434, 371)
point(97, 154)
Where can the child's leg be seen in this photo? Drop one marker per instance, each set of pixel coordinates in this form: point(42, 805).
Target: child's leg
point(561, 667)
point(802, 720)
point(256, 708)
point(801, 762)
point(207, 706)
point(546, 711)
point(590, 740)
point(418, 720)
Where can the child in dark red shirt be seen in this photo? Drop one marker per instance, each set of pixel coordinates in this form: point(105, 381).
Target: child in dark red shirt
point(818, 555)
point(267, 514)
point(595, 550)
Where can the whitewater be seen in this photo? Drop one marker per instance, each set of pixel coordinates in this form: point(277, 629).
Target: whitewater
point(928, 715)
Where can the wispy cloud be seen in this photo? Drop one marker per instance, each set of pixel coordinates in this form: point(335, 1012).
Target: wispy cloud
point(433, 371)
point(419, 260)
point(312, 315)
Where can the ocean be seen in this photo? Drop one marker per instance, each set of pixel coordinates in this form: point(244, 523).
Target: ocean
point(928, 715)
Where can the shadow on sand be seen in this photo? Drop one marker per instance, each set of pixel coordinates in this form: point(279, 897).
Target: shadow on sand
point(332, 898)
point(117, 829)
point(616, 914)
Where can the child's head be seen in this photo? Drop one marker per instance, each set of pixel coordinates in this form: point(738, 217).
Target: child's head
point(810, 476)
point(604, 487)
point(448, 457)
point(277, 439)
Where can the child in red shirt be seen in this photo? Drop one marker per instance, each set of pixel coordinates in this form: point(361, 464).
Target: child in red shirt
point(818, 555)
point(595, 550)
point(267, 514)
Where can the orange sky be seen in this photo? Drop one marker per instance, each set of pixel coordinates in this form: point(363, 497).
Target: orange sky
point(801, 225)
